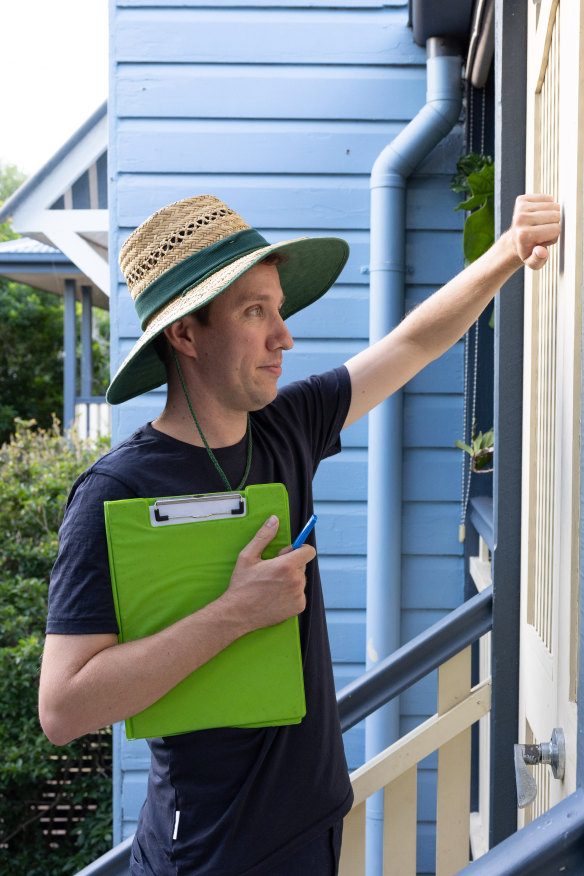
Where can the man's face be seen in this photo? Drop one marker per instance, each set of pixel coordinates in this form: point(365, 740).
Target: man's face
point(239, 351)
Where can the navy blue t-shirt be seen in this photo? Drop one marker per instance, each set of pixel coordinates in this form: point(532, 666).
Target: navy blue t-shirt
point(247, 798)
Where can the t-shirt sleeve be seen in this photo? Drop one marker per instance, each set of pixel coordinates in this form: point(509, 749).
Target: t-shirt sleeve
point(80, 592)
point(321, 403)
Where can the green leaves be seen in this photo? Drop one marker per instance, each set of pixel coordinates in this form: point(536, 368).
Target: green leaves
point(38, 780)
point(481, 451)
point(476, 178)
point(468, 164)
point(31, 355)
point(11, 177)
point(31, 363)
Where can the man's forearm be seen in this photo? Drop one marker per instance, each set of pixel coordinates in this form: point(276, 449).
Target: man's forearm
point(79, 695)
point(429, 330)
point(444, 318)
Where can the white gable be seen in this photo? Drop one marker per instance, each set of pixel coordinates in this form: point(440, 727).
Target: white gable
point(64, 204)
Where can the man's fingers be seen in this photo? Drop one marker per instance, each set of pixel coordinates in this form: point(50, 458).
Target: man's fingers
point(537, 218)
point(303, 554)
point(530, 236)
point(536, 226)
point(252, 552)
point(537, 209)
point(261, 539)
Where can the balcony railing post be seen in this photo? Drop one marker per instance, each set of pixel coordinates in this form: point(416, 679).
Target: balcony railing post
point(453, 792)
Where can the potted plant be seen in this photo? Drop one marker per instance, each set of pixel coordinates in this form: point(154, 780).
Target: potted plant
point(480, 450)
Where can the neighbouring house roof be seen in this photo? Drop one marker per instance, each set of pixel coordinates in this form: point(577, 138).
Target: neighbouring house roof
point(28, 261)
point(64, 204)
point(28, 187)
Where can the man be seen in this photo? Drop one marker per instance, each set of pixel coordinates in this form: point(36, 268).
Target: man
point(213, 296)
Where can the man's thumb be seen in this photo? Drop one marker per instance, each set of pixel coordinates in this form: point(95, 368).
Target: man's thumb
point(263, 537)
point(538, 258)
point(268, 531)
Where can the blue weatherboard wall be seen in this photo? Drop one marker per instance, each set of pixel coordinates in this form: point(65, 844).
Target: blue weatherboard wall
point(280, 110)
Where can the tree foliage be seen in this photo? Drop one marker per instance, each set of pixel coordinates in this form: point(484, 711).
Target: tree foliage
point(31, 356)
point(11, 177)
point(40, 784)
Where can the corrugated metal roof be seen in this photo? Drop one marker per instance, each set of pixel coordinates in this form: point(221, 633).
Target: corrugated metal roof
point(33, 263)
point(27, 246)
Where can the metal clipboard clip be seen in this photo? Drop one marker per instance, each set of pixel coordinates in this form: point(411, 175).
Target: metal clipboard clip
point(189, 509)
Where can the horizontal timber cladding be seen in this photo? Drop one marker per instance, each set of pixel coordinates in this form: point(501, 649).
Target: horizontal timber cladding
point(272, 92)
point(429, 476)
point(278, 203)
point(253, 36)
point(281, 109)
point(271, 147)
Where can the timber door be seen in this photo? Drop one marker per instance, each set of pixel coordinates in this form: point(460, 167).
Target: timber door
point(552, 399)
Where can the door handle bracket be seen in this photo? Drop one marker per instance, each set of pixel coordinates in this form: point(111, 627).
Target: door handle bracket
point(552, 753)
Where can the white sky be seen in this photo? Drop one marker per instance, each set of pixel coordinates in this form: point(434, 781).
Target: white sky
point(53, 75)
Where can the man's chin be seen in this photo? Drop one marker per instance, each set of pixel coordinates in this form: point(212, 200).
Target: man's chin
point(262, 399)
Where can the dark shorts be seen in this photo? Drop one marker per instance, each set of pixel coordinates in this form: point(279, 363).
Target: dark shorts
point(320, 857)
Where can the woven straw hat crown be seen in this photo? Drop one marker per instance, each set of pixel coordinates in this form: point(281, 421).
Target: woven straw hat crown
point(173, 233)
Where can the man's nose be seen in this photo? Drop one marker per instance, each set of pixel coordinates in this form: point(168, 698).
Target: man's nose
point(281, 337)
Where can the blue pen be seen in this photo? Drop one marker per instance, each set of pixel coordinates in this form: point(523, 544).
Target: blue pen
point(300, 539)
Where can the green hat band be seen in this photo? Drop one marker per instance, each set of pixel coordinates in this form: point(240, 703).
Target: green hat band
point(194, 269)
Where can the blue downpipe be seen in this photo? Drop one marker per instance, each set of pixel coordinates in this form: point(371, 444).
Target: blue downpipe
point(387, 292)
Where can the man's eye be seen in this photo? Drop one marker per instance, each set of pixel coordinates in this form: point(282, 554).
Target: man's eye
point(255, 311)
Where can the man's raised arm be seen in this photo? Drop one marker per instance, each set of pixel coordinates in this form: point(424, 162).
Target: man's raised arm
point(434, 326)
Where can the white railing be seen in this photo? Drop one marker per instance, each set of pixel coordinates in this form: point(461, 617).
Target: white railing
point(395, 771)
point(93, 419)
point(481, 573)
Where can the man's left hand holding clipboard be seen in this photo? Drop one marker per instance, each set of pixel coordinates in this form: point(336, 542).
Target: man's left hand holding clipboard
point(274, 588)
point(105, 682)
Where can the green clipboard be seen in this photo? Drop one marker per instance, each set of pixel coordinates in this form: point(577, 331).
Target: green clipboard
point(169, 557)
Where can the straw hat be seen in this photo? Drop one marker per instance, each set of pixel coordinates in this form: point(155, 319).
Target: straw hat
point(186, 254)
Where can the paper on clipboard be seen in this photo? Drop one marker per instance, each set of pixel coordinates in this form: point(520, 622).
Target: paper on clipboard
point(185, 509)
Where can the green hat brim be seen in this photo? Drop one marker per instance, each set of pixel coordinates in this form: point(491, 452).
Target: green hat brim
point(310, 269)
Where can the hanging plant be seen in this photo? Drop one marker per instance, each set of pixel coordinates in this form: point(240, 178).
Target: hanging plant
point(481, 450)
point(476, 179)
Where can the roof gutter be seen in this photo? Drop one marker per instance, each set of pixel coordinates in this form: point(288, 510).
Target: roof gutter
point(387, 292)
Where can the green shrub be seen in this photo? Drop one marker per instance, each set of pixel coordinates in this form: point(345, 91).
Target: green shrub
point(31, 374)
point(55, 803)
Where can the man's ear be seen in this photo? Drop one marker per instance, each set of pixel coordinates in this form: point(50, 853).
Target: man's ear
point(182, 336)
